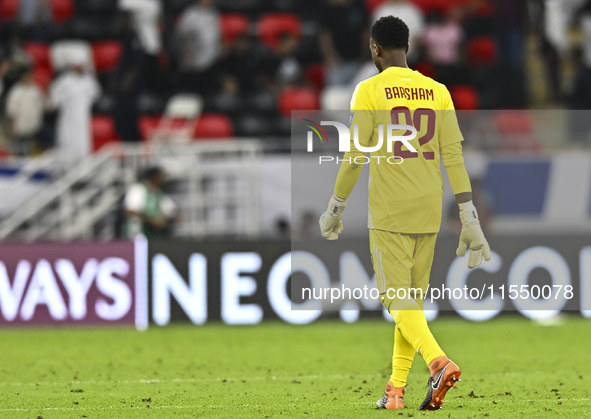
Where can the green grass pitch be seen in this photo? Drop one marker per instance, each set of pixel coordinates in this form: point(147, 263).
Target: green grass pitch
point(511, 368)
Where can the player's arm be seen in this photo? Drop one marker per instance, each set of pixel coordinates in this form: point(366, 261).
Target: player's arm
point(330, 222)
point(451, 152)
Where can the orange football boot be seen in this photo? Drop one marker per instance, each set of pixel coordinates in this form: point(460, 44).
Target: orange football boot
point(393, 398)
point(444, 375)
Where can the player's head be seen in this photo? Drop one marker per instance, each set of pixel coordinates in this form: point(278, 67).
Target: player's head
point(389, 37)
point(155, 176)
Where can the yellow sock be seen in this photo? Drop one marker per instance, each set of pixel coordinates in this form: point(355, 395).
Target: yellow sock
point(412, 323)
point(401, 360)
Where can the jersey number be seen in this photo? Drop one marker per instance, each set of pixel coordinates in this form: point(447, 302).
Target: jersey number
point(416, 118)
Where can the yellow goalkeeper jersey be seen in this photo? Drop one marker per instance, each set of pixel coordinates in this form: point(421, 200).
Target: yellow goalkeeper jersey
point(405, 197)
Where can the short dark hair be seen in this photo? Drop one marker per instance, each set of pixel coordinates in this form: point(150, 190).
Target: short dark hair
point(390, 32)
point(152, 172)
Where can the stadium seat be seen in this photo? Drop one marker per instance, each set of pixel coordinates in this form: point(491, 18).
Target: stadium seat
point(262, 102)
point(428, 6)
point(179, 122)
point(335, 98)
point(61, 51)
point(39, 53)
point(425, 68)
point(103, 131)
point(106, 55)
point(482, 51)
point(372, 5)
point(92, 29)
point(233, 25)
point(148, 126)
point(9, 9)
point(214, 125)
point(465, 98)
point(94, 7)
point(272, 25)
point(62, 10)
point(254, 125)
point(516, 130)
point(43, 77)
point(297, 99)
point(314, 75)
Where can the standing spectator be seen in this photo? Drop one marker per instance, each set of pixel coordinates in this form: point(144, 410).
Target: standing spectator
point(442, 39)
point(247, 61)
point(199, 36)
point(411, 15)
point(73, 94)
point(510, 17)
point(343, 39)
point(146, 16)
point(148, 210)
point(580, 99)
point(35, 17)
point(24, 108)
point(128, 83)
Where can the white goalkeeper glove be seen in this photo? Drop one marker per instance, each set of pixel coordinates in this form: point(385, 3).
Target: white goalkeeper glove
point(330, 222)
point(472, 236)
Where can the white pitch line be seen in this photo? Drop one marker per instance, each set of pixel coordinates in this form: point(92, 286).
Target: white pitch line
point(194, 380)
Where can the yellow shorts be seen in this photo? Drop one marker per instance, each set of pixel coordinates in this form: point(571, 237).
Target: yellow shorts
point(402, 264)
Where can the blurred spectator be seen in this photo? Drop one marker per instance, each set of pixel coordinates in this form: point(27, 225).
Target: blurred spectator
point(309, 229)
point(129, 81)
point(584, 16)
point(4, 69)
point(580, 97)
point(72, 95)
point(199, 35)
point(17, 60)
point(411, 15)
point(229, 99)
point(442, 39)
point(146, 16)
point(148, 210)
point(36, 17)
point(344, 39)
point(288, 64)
point(24, 108)
point(244, 61)
point(283, 228)
point(510, 25)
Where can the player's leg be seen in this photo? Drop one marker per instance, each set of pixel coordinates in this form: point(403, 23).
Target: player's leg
point(392, 260)
point(444, 372)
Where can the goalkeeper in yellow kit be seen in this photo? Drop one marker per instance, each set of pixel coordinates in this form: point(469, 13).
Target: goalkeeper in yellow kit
point(405, 194)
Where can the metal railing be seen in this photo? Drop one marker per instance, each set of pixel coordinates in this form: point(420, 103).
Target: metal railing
point(214, 184)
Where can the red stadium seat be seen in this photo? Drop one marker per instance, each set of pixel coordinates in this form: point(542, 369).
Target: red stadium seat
point(429, 5)
point(315, 75)
point(43, 77)
point(39, 53)
point(103, 131)
point(482, 51)
point(513, 122)
point(233, 25)
point(298, 99)
point(465, 98)
point(372, 5)
point(106, 55)
point(148, 125)
point(516, 130)
point(425, 68)
point(62, 10)
point(9, 9)
point(214, 125)
point(272, 25)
